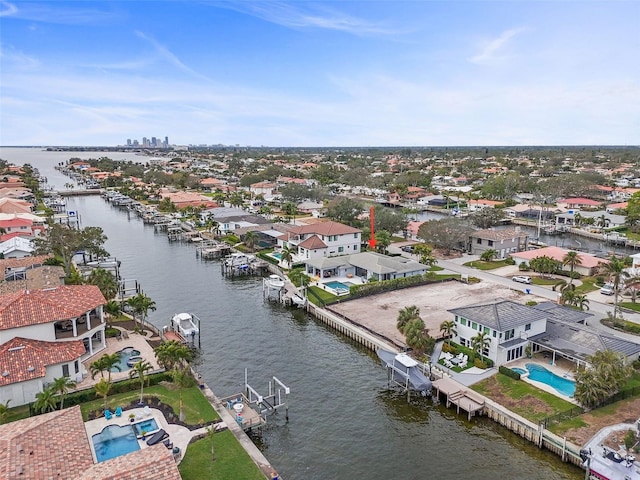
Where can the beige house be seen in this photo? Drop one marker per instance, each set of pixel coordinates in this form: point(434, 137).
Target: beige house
point(504, 242)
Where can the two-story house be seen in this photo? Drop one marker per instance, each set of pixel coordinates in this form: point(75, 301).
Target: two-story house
point(504, 242)
point(323, 239)
point(508, 326)
point(66, 322)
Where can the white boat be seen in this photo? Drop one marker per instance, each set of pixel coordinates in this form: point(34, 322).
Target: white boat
point(238, 259)
point(275, 282)
point(185, 324)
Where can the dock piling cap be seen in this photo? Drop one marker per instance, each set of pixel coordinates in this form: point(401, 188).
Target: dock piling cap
point(406, 360)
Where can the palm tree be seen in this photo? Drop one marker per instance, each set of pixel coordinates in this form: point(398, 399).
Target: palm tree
point(183, 379)
point(290, 210)
point(480, 342)
point(141, 304)
point(287, 255)
point(112, 308)
point(102, 389)
point(104, 364)
point(614, 271)
point(45, 401)
point(425, 252)
point(138, 371)
point(4, 411)
point(250, 239)
point(105, 281)
point(417, 337)
point(572, 259)
point(581, 301)
point(383, 240)
point(632, 285)
point(577, 219)
point(170, 354)
point(602, 222)
point(448, 328)
point(488, 255)
point(61, 386)
point(406, 315)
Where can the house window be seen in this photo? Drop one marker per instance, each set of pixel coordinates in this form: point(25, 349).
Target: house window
point(487, 330)
point(494, 333)
point(355, 247)
point(490, 242)
point(65, 370)
point(474, 325)
point(76, 366)
point(509, 334)
point(463, 321)
point(464, 342)
point(527, 327)
point(355, 235)
point(340, 249)
point(479, 241)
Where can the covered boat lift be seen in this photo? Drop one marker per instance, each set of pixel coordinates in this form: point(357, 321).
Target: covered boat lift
point(406, 372)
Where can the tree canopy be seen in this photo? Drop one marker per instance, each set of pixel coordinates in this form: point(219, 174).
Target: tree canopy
point(448, 233)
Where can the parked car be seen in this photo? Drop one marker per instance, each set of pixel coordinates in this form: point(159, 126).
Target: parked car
point(407, 248)
point(607, 289)
point(521, 279)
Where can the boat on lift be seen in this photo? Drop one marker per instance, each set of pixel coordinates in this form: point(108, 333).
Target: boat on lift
point(185, 324)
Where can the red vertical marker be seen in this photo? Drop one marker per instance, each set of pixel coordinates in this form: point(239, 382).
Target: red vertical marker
point(372, 235)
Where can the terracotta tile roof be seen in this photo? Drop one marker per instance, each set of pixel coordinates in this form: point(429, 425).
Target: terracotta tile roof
point(46, 276)
point(558, 253)
point(153, 463)
point(325, 228)
point(22, 262)
point(47, 305)
point(313, 243)
point(49, 446)
point(25, 359)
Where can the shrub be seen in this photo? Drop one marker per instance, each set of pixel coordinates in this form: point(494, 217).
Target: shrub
point(509, 373)
point(451, 349)
point(630, 439)
point(111, 332)
point(477, 362)
point(510, 261)
point(531, 303)
point(523, 267)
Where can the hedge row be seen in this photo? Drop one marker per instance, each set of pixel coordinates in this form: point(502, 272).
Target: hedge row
point(118, 387)
point(508, 372)
point(373, 288)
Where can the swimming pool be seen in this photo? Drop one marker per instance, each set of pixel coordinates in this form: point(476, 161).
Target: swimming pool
point(540, 374)
point(125, 354)
point(147, 426)
point(521, 371)
point(277, 255)
point(337, 285)
point(114, 441)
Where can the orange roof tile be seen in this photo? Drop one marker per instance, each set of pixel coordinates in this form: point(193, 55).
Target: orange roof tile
point(47, 305)
point(313, 243)
point(53, 445)
point(23, 359)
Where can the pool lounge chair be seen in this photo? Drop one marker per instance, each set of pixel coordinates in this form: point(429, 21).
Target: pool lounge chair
point(107, 414)
point(157, 437)
point(119, 412)
point(146, 410)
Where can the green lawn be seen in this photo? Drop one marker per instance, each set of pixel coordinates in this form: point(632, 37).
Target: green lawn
point(196, 406)
point(631, 306)
point(231, 460)
point(323, 294)
point(481, 265)
point(588, 285)
point(544, 281)
point(522, 398)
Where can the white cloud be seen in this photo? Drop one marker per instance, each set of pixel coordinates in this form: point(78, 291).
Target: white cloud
point(165, 53)
point(493, 50)
point(7, 9)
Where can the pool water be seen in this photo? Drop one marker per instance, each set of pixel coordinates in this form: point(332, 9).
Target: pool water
point(148, 426)
point(521, 371)
point(125, 354)
point(540, 374)
point(114, 441)
point(277, 255)
point(338, 285)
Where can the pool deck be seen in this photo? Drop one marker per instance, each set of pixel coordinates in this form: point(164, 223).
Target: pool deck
point(561, 367)
point(134, 340)
point(180, 436)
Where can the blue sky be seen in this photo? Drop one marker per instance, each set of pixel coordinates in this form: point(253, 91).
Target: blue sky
point(301, 73)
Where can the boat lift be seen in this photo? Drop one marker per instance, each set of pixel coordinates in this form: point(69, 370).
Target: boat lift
point(268, 404)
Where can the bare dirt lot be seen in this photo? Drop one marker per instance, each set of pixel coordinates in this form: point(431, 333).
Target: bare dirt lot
point(379, 312)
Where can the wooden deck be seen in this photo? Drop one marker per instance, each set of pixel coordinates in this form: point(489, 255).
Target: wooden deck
point(466, 400)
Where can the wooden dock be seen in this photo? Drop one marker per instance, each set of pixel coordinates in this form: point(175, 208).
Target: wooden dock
point(467, 400)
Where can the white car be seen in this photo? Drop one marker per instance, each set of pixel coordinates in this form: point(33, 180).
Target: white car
point(521, 279)
point(607, 289)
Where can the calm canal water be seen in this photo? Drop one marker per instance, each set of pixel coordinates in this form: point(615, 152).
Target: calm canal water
point(344, 423)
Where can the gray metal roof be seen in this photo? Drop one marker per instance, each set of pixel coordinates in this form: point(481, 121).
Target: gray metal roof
point(500, 316)
point(560, 312)
point(382, 264)
point(580, 341)
point(328, 262)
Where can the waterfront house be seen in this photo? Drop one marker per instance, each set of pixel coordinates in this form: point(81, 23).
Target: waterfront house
point(578, 203)
point(57, 442)
point(59, 314)
point(559, 330)
point(588, 266)
point(504, 242)
point(568, 219)
point(365, 265)
point(322, 239)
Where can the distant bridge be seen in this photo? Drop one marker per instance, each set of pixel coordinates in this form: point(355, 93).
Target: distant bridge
point(78, 192)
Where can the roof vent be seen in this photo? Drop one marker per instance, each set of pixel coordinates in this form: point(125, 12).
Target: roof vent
point(30, 368)
point(5, 374)
point(15, 349)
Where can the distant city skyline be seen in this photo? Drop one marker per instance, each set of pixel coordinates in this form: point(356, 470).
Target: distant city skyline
point(307, 74)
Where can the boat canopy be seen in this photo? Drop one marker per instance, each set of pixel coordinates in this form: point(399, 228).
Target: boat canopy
point(404, 370)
